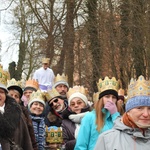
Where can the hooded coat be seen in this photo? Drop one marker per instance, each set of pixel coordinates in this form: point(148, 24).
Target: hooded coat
point(13, 126)
point(122, 137)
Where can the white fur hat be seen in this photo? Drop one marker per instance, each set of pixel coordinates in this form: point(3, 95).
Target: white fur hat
point(79, 95)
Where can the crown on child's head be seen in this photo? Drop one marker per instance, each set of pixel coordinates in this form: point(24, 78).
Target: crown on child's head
point(4, 76)
point(139, 87)
point(59, 78)
point(13, 82)
point(50, 94)
point(108, 84)
point(76, 89)
point(32, 83)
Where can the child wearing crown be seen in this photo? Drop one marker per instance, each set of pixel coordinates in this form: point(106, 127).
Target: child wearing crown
point(132, 130)
point(102, 117)
point(36, 107)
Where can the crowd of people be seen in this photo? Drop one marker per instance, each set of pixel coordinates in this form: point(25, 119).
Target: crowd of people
point(47, 114)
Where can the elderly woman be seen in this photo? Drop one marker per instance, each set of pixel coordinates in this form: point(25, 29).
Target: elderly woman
point(12, 125)
point(78, 103)
point(132, 131)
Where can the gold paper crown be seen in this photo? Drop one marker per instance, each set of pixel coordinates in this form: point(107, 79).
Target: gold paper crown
point(139, 87)
point(32, 83)
point(59, 78)
point(121, 92)
point(4, 76)
point(37, 95)
point(45, 60)
point(76, 89)
point(108, 84)
point(50, 94)
point(13, 82)
point(96, 96)
point(54, 135)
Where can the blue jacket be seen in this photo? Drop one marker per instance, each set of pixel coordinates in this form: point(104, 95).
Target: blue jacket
point(88, 134)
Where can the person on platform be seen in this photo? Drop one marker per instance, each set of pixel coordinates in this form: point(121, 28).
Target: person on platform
point(44, 75)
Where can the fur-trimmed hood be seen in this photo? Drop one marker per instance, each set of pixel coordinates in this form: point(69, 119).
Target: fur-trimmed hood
point(9, 120)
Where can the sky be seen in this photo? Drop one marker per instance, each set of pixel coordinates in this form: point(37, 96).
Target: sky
point(6, 55)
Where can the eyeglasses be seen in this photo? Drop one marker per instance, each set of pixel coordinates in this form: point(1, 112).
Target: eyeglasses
point(54, 101)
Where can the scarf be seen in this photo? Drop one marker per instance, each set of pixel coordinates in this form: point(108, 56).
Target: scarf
point(39, 130)
point(2, 109)
point(76, 118)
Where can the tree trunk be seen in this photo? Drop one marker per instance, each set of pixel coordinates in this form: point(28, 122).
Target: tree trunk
point(69, 40)
point(94, 42)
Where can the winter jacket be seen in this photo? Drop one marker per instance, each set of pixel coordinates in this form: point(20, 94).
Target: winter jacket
point(122, 137)
point(70, 125)
point(88, 133)
point(13, 126)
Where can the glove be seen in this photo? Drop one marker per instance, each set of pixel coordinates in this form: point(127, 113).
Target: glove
point(111, 107)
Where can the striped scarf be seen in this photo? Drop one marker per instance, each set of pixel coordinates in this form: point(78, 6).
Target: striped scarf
point(39, 130)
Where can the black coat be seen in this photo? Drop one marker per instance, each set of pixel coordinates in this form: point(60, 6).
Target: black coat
point(13, 126)
point(68, 134)
point(68, 128)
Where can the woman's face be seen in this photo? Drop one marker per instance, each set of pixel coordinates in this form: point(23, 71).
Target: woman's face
point(109, 97)
point(77, 104)
point(15, 94)
point(37, 108)
point(2, 97)
point(140, 116)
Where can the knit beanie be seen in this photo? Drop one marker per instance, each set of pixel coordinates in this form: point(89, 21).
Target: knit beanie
point(37, 96)
point(107, 92)
point(29, 88)
point(137, 101)
point(35, 100)
point(17, 88)
point(61, 82)
point(79, 95)
point(2, 86)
